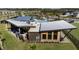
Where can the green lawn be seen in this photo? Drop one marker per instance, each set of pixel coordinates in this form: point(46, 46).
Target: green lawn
point(55, 46)
point(12, 43)
point(76, 31)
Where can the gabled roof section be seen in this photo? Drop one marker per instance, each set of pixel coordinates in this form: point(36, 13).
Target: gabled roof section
point(56, 25)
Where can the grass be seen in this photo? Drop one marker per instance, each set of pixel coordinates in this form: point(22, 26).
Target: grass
point(76, 31)
point(12, 43)
point(55, 46)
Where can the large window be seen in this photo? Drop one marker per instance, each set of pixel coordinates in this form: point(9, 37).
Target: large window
point(49, 35)
point(43, 36)
point(55, 35)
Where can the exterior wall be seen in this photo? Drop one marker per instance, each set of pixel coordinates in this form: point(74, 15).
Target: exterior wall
point(34, 36)
point(37, 37)
point(51, 40)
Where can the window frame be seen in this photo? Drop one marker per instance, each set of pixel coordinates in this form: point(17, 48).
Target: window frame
point(42, 36)
point(50, 35)
point(55, 35)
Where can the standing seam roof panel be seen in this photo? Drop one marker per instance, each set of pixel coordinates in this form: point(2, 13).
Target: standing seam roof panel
point(56, 25)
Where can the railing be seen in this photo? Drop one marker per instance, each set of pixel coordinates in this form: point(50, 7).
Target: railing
point(74, 40)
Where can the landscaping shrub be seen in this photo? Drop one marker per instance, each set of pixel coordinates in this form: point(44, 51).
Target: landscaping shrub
point(33, 46)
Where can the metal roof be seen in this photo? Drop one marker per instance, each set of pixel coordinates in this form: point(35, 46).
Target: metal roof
point(43, 25)
point(21, 21)
point(56, 25)
point(18, 23)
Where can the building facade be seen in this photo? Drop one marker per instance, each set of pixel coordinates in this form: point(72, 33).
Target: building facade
point(39, 31)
